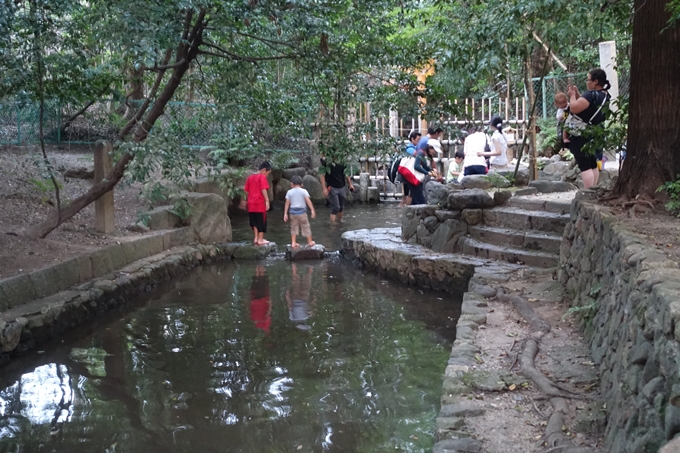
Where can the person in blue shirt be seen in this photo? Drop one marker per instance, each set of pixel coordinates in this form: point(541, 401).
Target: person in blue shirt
point(433, 133)
point(414, 138)
point(422, 165)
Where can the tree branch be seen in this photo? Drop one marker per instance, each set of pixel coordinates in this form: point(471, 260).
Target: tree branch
point(266, 40)
point(227, 54)
point(133, 121)
point(167, 66)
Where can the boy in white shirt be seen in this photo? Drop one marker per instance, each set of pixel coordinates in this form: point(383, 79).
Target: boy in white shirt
point(297, 201)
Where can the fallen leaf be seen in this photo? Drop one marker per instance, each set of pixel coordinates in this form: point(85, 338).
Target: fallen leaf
point(512, 387)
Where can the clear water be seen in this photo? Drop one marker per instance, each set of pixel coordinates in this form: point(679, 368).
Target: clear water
point(356, 216)
point(256, 357)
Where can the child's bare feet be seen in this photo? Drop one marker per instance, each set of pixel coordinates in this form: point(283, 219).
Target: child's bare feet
point(263, 242)
point(311, 243)
point(295, 245)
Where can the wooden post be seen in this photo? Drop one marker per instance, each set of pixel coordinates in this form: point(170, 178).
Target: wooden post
point(104, 221)
point(533, 165)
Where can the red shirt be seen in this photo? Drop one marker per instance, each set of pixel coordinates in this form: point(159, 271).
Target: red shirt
point(255, 184)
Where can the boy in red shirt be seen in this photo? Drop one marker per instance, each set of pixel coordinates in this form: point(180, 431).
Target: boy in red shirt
point(258, 202)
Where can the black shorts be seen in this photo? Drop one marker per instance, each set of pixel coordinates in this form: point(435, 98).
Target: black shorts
point(258, 220)
point(585, 161)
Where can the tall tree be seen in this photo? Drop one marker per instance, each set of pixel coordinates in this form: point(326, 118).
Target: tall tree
point(653, 154)
point(167, 38)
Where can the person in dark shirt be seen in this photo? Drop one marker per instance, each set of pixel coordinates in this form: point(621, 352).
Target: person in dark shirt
point(590, 108)
point(333, 183)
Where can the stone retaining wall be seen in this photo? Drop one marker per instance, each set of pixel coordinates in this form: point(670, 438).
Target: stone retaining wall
point(383, 251)
point(628, 296)
point(23, 288)
point(24, 326)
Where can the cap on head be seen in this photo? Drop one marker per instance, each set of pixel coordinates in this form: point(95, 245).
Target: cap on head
point(296, 179)
point(265, 166)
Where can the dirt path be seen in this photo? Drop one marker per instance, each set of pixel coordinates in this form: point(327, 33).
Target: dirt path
point(517, 414)
point(26, 198)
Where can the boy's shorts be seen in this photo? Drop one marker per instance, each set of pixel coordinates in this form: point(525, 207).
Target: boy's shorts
point(258, 220)
point(300, 223)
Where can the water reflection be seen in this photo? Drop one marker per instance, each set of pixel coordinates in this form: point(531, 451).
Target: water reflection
point(330, 360)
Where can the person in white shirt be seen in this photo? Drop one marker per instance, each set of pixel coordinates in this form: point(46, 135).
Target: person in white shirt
point(297, 201)
point(499, 153)
point(473, 147)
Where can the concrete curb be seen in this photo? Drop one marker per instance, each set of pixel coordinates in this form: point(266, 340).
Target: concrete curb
point(37, 321)
point(21, 289)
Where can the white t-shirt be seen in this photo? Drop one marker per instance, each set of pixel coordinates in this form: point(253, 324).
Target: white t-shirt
point(297, 195)
point(474, 143)
point(502, 140)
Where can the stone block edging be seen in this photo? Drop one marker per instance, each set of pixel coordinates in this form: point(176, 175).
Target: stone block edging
point(383, 251)
point(40, 320)
point(20, 289)
point(627, 292)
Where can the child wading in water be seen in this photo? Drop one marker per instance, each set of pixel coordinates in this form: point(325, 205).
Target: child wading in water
point(258, 202)
point(297, 200)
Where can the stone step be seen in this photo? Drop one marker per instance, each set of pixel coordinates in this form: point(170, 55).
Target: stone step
point(537, 204)
point(471, 246)
point(543, 241)
point(522, 219)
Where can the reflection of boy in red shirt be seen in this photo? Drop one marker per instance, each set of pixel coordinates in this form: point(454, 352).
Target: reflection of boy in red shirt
point(258, 202)
point(260, 306)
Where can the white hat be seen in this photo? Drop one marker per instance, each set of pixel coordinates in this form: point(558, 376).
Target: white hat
point(436, 145)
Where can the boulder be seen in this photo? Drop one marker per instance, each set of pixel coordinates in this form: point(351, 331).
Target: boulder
point(447, 234)
point(501, 197)
point(313, 186)
point(305, 252)
point(437, 193)
point(282, 187)
point(472, 216)
point(210, 184)
point(556, 168)
point(209, 220)
point(253, 252)
point(288, 173)
point(469, 198)
point(556, 158)
point(522, 178)
point(476, 182)
point(552, 186)
point(161, 218)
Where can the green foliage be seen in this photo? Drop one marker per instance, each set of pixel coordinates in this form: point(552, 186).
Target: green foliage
point(181, 208)
point(45, 185)
point(672, 189)
point(282, 159)
point(547, 140)
point(586, 311)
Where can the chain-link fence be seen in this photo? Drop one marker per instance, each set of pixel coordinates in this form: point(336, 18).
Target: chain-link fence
point(193, 124)
point(546, 89)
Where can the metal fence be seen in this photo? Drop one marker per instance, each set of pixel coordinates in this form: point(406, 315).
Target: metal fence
point(194, 124)
point(546, 89)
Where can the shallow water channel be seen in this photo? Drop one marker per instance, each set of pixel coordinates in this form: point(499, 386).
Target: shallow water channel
point(356, 216)
point(241, 357)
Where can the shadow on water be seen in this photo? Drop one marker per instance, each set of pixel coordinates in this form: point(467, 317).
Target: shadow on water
point(355, 217)
point(254, 357)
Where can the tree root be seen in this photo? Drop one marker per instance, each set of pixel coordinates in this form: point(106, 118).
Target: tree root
point(554, 436)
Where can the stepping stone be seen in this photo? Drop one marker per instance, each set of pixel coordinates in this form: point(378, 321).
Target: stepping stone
point(305, 252)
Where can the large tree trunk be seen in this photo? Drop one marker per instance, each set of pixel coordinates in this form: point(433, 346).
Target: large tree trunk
point(653, 155)
point(186, 53)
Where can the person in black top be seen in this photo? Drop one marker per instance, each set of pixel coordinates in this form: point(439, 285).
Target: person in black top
point(333, 183)
point(590, 108)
